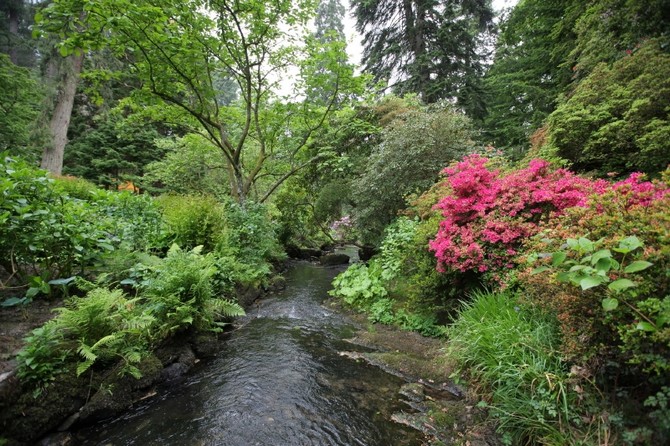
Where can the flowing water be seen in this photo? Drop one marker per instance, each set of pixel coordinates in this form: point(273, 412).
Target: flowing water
point(278, 380)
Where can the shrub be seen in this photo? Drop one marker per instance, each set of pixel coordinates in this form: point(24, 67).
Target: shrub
point(609, 219)
point(616, 120)
point(74, 187)
point(488, 215)
point(106, 327)
point(180, 292)
point(406, 161)
point(614, 320)
point(192, 220)
point(385, 288)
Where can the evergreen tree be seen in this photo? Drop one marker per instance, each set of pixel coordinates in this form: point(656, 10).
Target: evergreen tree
point(528, 72)
point(429, 47)
point(328, 22)
point(15, 25)
point(329, 32)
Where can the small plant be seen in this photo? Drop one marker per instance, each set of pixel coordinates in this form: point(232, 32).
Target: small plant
point(43, 357)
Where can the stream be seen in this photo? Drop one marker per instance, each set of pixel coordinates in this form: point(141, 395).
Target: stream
point(278, 380)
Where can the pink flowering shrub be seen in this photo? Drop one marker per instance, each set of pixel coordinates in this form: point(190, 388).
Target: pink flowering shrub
point(488, 214)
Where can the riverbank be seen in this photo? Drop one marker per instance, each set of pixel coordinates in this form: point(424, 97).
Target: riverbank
point(445, 412)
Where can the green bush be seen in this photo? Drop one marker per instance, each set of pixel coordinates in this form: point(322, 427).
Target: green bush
point(248, 246)
point(617, 118)
point(384, 287)
point(512, 353)
point(46, 234)
point(179, 292)
point(610, 289)
point(192, 220)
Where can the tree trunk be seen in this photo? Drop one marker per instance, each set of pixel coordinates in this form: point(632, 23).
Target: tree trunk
point(52, 156)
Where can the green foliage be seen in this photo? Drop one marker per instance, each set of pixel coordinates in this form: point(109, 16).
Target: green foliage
point(191, 166)
point(412, 151)
point(595, 268)
point(527, 74)
point(180, 292)
point(192, 220)
point(264, 141)
point(74, 187)
point(588, 267)
point(607, 29)
point(105, 327)
point(46, 234)
point(360, 285)
point(511, 352)
point(385, 287)
point(426, 47)
point(42, 359)
point(20, 96)
point(617, 118)
point(112, 151)
point(614, 320)
point(250, 234)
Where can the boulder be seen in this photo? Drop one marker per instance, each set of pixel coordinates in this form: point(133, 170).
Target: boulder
point(334, 259)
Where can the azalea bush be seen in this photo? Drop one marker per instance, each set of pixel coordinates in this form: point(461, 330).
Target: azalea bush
point(488, 214)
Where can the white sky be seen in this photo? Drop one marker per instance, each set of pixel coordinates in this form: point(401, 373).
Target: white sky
point(354, 40)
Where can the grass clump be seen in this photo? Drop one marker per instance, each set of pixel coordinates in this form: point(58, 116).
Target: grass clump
point(511, 352)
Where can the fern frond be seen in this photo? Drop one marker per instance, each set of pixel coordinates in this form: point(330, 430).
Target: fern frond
point(83, 366)
point(86, 352)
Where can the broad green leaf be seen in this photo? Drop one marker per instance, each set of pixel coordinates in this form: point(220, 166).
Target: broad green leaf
point(645, 326)
point(12, 301)
point(621, 284)
point(586, 244)
point(636, 266)
point(610, 304)
point(572, 243)
point(602, 254)
point(604, 264)
point(590, 282)
point(628, 244)
point(65, 281)
point(557, 258)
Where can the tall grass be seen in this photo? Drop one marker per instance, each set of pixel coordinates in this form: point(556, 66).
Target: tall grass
point(511, 352)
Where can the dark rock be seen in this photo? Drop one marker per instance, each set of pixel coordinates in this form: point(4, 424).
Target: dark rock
point(309, 253)
point(10, 388)
point(247, 294)
point(327, 247)
point(365, 253)
point(28, 418)
point(118, 393)
point(67, 424)
point(292, 251)
point(174, 371)
point(334, 259)
point(205, 345)
point(277, 283)
point(57, 439)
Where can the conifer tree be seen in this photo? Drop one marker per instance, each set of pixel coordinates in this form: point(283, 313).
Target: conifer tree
point(429, 47)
